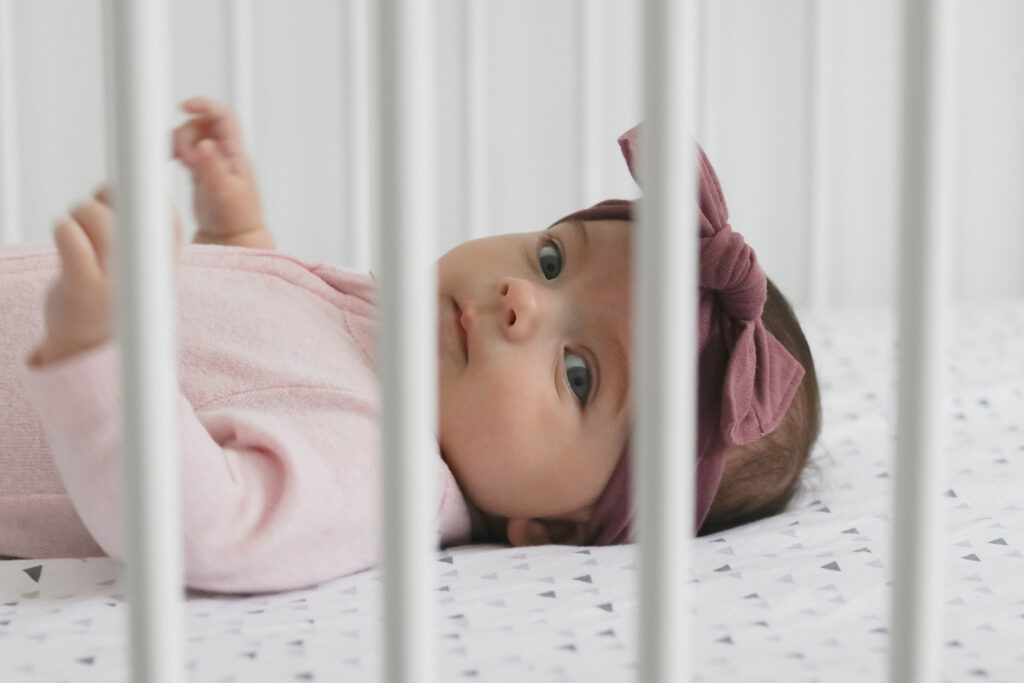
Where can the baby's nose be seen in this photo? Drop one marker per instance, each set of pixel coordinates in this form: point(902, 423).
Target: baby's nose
point(521, 305)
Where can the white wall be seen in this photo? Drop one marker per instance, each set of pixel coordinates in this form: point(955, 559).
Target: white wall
point(757, 125)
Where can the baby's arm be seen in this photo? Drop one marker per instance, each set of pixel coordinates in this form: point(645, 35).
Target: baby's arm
point(279, 486)
point(225, 196)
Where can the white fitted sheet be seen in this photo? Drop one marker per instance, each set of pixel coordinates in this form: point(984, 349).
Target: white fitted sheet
point(801, 596)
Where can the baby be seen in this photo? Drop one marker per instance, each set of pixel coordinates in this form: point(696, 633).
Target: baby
point(278, 412)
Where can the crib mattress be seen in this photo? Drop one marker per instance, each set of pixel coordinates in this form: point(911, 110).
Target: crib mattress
point(801, 596)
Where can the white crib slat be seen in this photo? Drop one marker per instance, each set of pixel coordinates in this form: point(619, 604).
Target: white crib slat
point(929, 125)
point(664, 339)
point(239, 33)
point(137, 78)
point(477, 150)
point(10, 219)
point(407, 337)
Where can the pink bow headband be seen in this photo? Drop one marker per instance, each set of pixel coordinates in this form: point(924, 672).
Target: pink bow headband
point(746, 377)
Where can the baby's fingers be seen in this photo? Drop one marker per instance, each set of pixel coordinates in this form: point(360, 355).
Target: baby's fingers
point(220, 122)
point(202, 105)
point(183, 141)
point(104, 196)
point(96, 221)
point(78, 260)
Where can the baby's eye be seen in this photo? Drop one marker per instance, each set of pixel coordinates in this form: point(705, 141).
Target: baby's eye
point(578, 373)
point(550, 260)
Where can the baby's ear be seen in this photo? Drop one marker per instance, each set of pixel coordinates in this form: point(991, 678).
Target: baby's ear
point(532, 531)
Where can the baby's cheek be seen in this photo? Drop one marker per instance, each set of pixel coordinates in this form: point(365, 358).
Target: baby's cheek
point(499, 414)
point(514, 396)
point(532, 429)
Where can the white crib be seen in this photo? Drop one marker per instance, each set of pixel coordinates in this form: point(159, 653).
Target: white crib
point(646, 608)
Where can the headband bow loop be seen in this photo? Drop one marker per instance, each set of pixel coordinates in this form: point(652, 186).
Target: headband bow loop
point(761, 376)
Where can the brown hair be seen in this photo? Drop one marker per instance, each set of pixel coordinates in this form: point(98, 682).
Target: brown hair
point(760, 479)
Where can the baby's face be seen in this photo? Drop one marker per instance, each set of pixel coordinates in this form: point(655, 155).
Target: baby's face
point(534, 345)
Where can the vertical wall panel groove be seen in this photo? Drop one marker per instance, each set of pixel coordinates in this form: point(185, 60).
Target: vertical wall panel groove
point(358, 134)
point(821, 169)
point(10, 213)
point(238, 27)
point(589, 41)
point(477, 148)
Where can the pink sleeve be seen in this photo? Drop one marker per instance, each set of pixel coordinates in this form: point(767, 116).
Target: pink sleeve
point(280, 486)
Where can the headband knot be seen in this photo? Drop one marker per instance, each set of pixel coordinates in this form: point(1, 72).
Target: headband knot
point(729, 266)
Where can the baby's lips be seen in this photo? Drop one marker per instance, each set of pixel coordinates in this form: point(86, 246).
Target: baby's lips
point(462, 328)
point(465, 316)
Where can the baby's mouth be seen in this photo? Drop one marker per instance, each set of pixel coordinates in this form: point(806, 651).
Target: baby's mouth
point(460, 331)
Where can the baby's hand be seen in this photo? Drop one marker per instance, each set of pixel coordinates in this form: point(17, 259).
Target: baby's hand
point(225, 195)
point(78, 303)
